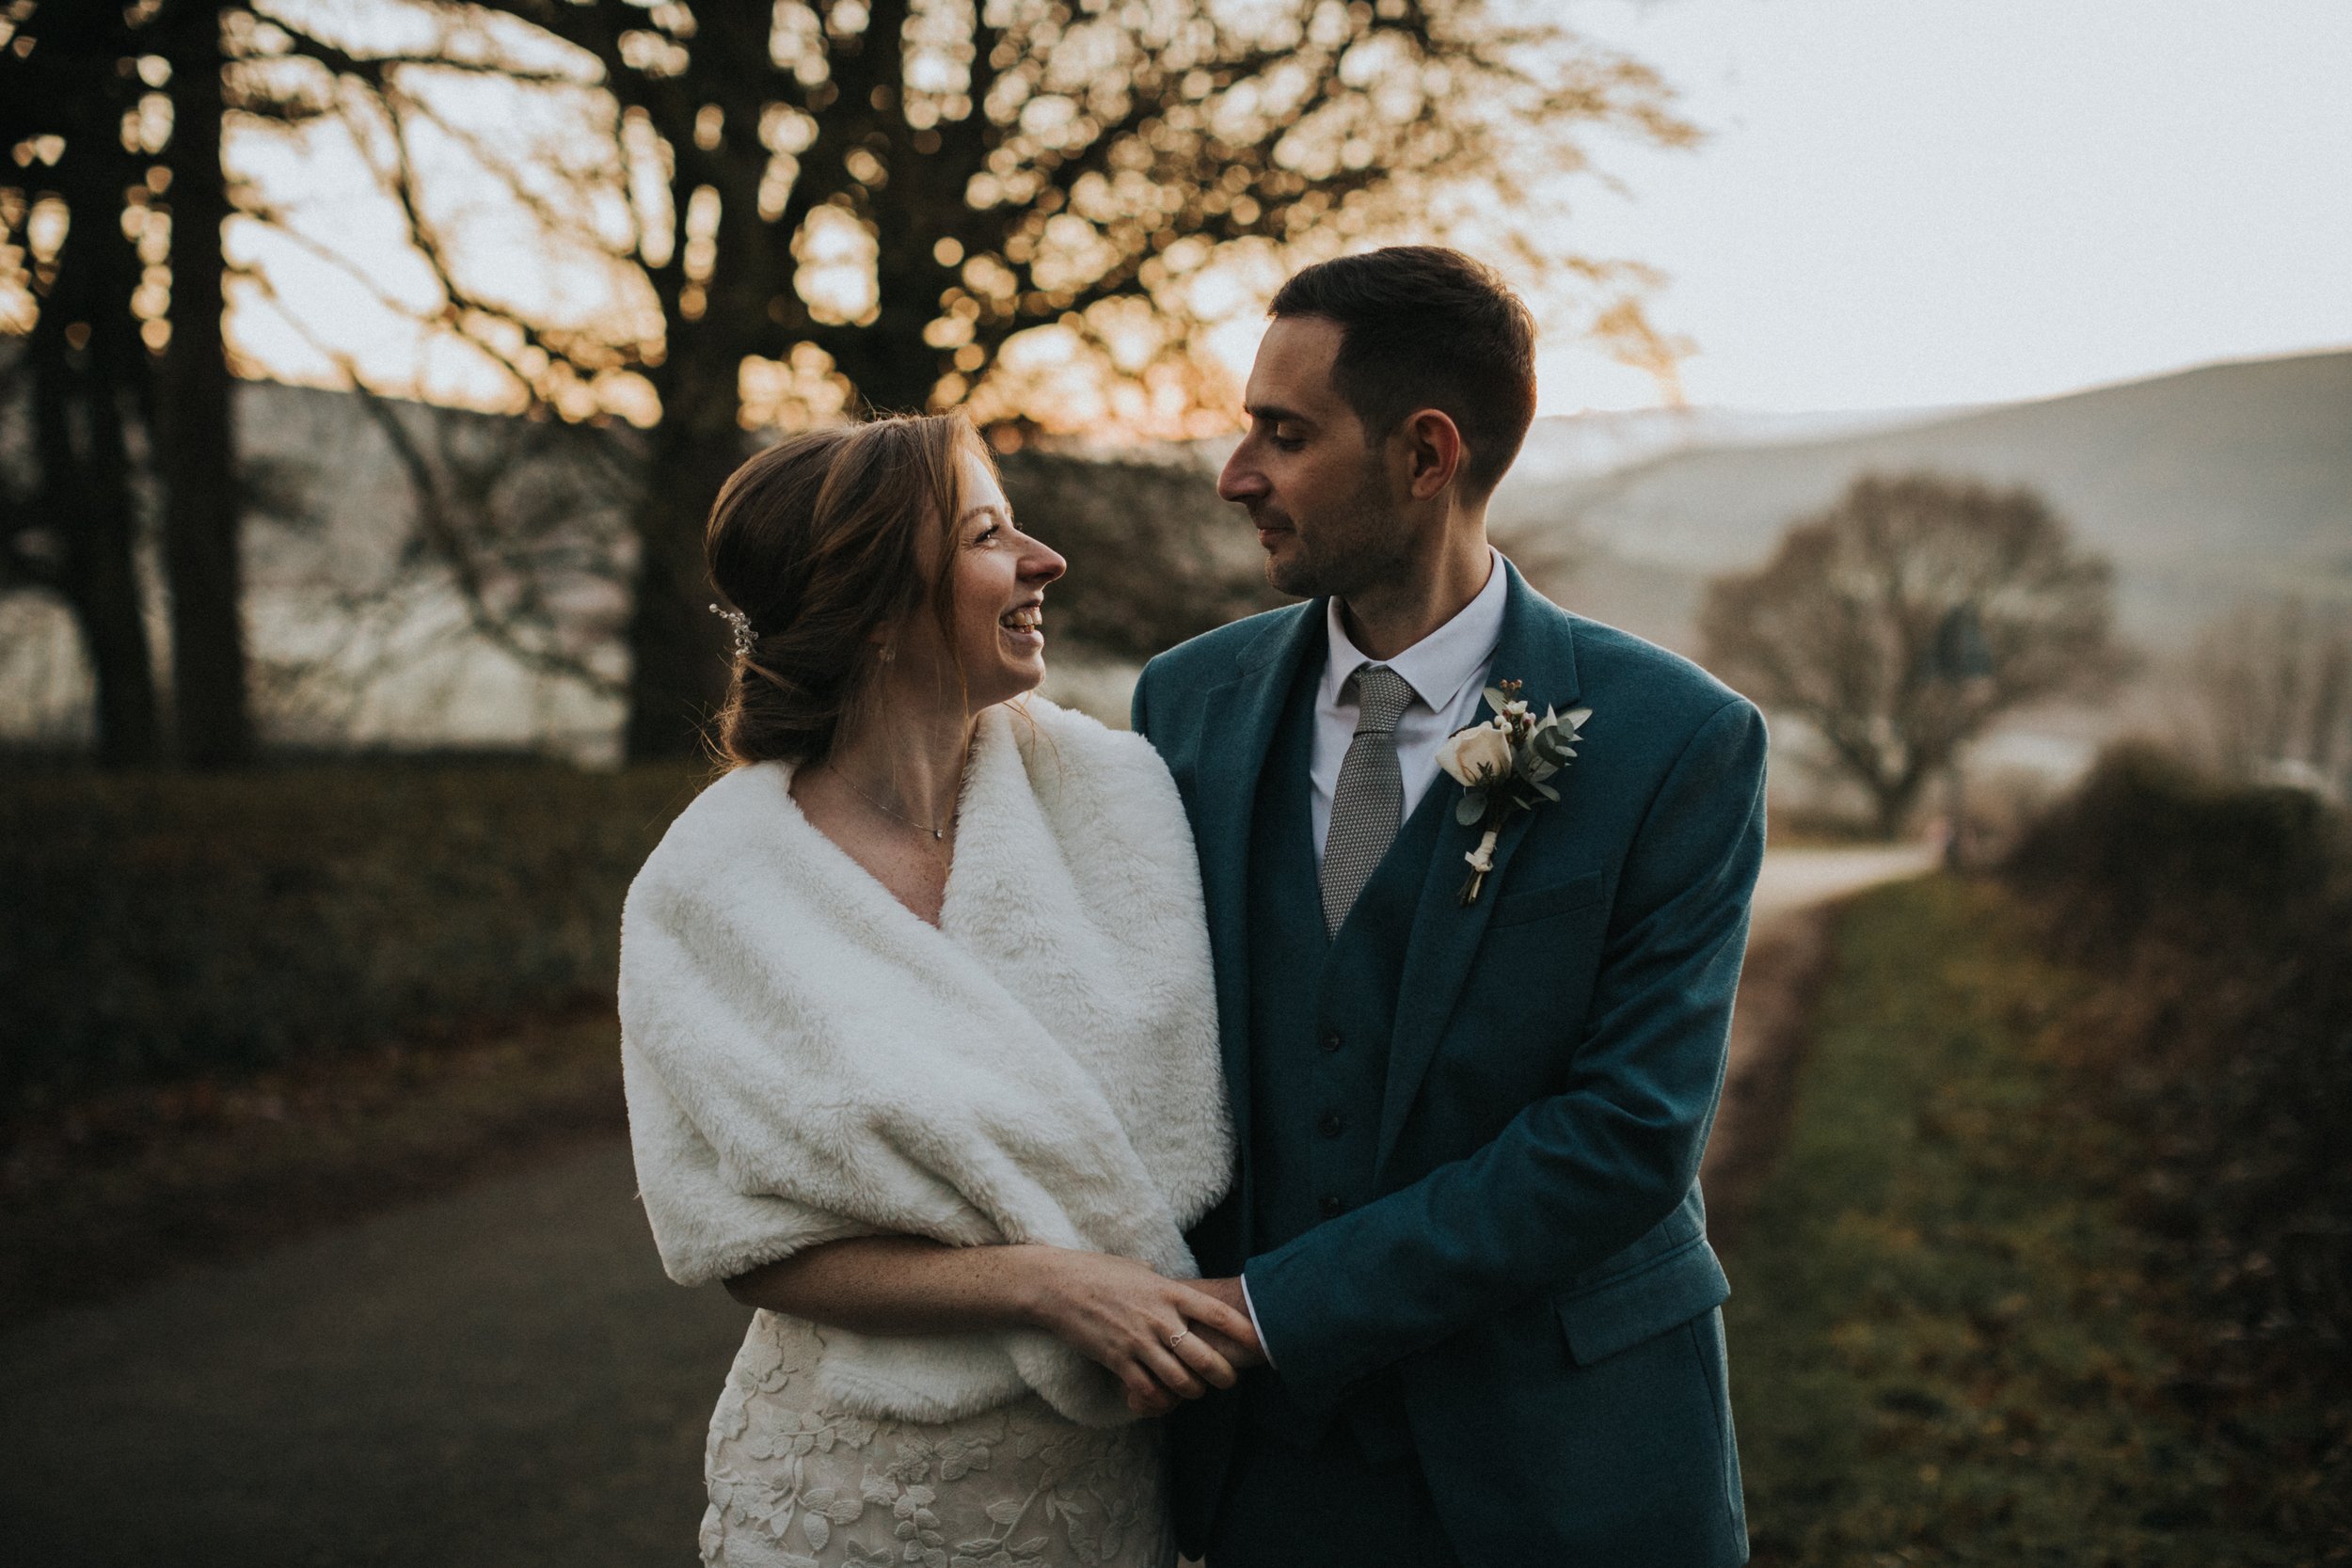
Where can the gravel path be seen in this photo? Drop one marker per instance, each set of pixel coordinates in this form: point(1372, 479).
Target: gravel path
point(498, 1378)
point(1794, 878)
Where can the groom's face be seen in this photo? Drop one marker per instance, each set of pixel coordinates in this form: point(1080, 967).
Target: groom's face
point(1318, 491)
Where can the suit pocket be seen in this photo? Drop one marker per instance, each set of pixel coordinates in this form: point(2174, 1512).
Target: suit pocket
point(1542, 903)
point(1620, 1313)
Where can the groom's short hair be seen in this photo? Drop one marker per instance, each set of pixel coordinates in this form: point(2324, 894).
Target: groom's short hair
point(1422, 327)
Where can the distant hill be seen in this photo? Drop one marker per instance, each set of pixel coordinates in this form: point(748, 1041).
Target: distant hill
point(2204, 487)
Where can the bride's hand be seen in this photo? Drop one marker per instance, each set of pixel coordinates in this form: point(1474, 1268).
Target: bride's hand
point(1120, 1314)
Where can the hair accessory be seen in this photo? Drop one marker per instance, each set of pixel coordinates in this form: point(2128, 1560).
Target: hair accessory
point(744, 636)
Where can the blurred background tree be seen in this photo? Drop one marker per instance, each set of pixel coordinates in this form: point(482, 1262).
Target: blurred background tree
point(1003, 206)
point(77, 388)
point(113, 117)
point(2274, 684)
point(1902, 620)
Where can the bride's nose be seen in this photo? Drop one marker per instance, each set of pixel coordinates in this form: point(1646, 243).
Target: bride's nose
point(1041, 564)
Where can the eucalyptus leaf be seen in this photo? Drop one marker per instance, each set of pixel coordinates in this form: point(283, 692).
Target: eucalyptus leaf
point(1575, 717)
point(1546, 790)
point(1470, 807)
point(1495, 699)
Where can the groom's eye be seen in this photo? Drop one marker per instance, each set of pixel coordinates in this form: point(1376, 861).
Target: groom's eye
point(1288, 442)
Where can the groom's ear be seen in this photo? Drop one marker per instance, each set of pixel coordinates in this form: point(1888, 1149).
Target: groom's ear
point(1432, 449)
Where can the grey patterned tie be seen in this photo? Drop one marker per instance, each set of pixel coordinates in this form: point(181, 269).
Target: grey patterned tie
point(1369, 800)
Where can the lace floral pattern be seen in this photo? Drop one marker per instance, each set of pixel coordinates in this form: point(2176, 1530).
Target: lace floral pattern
point(796, 1484)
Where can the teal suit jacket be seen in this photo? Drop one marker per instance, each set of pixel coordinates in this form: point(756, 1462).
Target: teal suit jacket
point(1535, 1267)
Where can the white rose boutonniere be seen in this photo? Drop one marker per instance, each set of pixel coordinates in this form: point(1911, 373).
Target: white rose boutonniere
point(1504, 766)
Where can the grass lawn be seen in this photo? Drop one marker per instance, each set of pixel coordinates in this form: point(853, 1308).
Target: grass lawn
point(1940, 1334)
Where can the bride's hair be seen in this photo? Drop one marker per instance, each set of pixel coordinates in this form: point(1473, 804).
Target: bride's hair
point(816, 543)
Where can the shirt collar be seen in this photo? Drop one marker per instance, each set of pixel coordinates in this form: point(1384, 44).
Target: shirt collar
point(1440, 664)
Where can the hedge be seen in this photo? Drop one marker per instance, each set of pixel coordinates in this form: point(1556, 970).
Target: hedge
point(2218, 922)
point(158, 925)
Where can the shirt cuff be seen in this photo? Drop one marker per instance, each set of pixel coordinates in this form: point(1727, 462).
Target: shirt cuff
point(1249, 1307)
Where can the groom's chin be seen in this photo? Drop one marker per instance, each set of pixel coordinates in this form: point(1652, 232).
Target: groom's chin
point(1287, 570)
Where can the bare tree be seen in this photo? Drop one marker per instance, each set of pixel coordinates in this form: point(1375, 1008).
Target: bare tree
point(886, 197)
point(2273, 682)
point(76, 386)
point(1904, 620)
point(114, 115)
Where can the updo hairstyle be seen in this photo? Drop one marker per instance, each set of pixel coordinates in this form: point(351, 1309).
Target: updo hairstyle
point(819, 542)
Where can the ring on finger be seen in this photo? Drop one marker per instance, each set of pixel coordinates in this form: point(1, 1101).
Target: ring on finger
point(1178, 1337)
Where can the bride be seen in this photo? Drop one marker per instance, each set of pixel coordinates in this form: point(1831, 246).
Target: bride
point(919, 1043)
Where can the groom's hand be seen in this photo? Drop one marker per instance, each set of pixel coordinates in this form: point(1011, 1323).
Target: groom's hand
point(1244, 1351)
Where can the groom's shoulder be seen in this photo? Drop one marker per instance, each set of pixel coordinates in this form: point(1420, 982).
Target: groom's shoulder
point(1676, 693)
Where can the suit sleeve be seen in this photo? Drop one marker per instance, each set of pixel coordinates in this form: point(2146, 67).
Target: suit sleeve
point(1579, 1176)
point(1139, 707)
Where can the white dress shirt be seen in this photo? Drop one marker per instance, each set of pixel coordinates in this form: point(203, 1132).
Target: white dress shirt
point(1447, 670)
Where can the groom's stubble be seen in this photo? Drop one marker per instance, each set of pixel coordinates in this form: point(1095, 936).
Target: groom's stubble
point(1356, 544)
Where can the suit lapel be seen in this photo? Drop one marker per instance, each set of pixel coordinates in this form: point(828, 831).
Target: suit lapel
point(1539, 648)
point(1238, 726)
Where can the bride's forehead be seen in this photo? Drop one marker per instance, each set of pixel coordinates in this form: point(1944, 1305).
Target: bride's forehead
point(980, 485)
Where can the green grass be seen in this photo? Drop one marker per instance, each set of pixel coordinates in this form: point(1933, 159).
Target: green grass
point(1940, 1348)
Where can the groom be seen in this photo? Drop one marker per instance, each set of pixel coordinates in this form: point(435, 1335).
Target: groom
point(1467, 1223)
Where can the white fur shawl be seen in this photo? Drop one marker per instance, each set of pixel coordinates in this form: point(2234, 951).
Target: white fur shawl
point(805, 1059)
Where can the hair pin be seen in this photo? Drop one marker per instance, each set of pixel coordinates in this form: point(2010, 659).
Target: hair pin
point(744, 636)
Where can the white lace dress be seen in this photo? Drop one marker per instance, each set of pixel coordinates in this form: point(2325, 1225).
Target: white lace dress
point(795, 1483)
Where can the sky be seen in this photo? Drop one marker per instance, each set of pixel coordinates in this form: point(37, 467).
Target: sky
point(1899, 203)
point(1930, 202)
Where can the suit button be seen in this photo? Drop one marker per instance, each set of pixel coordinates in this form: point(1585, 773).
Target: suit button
point(1332, 1124)
point(1330, 1041)
point(1332, 1208)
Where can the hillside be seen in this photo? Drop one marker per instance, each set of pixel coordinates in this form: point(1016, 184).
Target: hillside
point(2204, 486)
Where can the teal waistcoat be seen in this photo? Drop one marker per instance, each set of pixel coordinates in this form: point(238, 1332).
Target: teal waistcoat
point(1322, 1010)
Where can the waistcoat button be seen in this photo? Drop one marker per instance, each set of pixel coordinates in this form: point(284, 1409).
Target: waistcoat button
point(1332, 1208)
point(1332, 1124)
point(1330, 1041)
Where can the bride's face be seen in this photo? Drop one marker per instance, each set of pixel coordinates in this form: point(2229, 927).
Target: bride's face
point(999, 582)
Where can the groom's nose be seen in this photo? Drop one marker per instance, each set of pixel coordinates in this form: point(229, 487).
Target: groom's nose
point(1239, 480)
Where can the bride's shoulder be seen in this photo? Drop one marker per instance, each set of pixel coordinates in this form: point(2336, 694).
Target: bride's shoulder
point(1047, 732)
point(741, 808)
point(1079, 759)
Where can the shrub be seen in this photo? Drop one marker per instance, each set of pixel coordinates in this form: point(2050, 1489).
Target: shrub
point(2219, 920)
point(155, 926)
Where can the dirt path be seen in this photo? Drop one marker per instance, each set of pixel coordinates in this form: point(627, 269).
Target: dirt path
point(502, 1377)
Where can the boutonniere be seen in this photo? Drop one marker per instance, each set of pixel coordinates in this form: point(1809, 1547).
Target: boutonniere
point(1504, 766)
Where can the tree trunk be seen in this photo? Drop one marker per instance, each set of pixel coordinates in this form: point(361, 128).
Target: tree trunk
point(1891, 803)
point(677, 647)
point(196, 450)
point(85, 360)
point(106, 598)
point(84, 490)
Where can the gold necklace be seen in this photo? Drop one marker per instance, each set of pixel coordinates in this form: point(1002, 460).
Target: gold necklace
point(939, 835)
